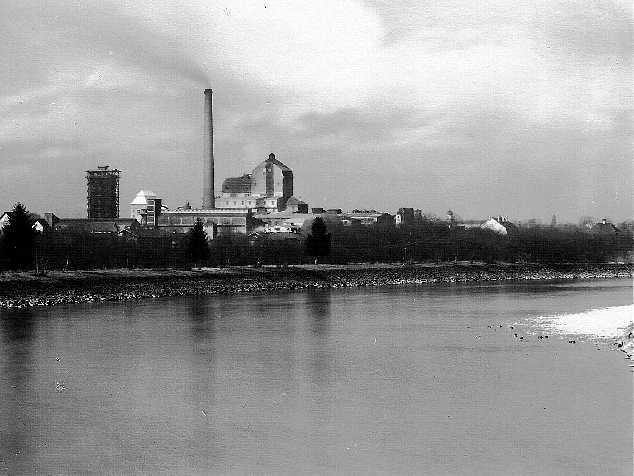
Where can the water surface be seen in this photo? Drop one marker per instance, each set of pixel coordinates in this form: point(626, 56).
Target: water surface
point(419, 380)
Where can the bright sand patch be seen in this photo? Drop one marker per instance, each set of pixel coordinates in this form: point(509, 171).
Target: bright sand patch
point(606, 322)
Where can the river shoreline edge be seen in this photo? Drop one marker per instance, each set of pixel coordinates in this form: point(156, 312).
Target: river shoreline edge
point(29, 289)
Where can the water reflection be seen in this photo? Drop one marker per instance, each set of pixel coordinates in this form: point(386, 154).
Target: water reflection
point(202, 316)
point(18, 331)
point(318, 310)
point(319, 349)
point(319, 358)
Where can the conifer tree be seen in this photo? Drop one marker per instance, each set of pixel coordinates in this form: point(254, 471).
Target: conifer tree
point(318, 241)
point(197, 246)
point(18, 238)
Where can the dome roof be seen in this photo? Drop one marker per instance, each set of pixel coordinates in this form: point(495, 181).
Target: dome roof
point(142, 196)
point(294, 201)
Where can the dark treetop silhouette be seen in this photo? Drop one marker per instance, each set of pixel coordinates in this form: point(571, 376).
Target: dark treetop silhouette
point(18, 240)
point(318, 241)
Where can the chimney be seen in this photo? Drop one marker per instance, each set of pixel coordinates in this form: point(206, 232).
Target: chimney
point(209, 200)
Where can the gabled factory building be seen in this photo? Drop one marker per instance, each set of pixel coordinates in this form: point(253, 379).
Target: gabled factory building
point(266, 189)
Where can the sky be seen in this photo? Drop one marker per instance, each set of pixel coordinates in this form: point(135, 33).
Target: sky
point(492, 107)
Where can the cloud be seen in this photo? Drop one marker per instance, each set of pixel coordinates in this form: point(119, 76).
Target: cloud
point(354, 95)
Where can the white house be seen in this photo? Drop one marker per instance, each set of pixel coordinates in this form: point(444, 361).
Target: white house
point(495, 226)
point(39, 224)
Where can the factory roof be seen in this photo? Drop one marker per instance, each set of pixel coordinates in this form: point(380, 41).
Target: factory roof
point(142, 196)
point(281, 165)
point(284, 215)
point(604, 227)
point(103, 170)
point(84, 225)
point(295, 201)
point(240, 184)
point(284, 168)
point(495, 226)
point(364, 213)
point(211, 211)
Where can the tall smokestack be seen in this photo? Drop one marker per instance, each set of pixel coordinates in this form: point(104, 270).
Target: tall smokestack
point(209, 200)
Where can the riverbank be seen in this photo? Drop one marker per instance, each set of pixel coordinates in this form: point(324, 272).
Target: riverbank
point(21, 290)
point(626, 343)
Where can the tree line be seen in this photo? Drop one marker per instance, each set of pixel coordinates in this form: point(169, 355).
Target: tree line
point(21, 247)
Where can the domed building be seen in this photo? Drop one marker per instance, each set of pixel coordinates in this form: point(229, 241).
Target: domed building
point(266, 189)
point(146, 207)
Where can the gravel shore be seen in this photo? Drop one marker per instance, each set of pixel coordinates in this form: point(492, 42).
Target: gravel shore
point(626, 343)
point(21, 290)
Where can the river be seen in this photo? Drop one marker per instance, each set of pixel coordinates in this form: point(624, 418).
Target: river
point(401, 380)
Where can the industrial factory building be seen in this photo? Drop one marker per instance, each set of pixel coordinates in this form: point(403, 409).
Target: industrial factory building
point(267, 189)
point(150, 212)
point(102, 203)
point(216, 222)
point(146, 208)
point(262, 199)
point(103, 193)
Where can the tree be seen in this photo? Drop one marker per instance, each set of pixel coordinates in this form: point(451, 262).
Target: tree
point(18, 240)
point(197, 247)
point(318, 241)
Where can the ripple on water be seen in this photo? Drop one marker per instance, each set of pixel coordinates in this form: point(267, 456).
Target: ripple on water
point(608, 322)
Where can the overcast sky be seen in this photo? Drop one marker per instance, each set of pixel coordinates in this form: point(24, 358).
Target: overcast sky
point(486, 107)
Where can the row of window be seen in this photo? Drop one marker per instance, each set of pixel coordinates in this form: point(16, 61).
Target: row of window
point(270, 203)
point(206, 221)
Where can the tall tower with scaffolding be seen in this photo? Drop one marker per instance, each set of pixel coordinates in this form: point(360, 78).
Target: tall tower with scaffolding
point(103, 193)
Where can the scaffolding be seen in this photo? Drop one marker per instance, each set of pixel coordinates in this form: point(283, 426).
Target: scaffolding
point(103, 193)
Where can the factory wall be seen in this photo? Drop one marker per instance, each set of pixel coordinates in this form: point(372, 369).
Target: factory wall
point(102, 193)
point(214, 223)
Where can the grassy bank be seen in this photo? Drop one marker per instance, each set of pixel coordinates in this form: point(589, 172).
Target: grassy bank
point(27, 289)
